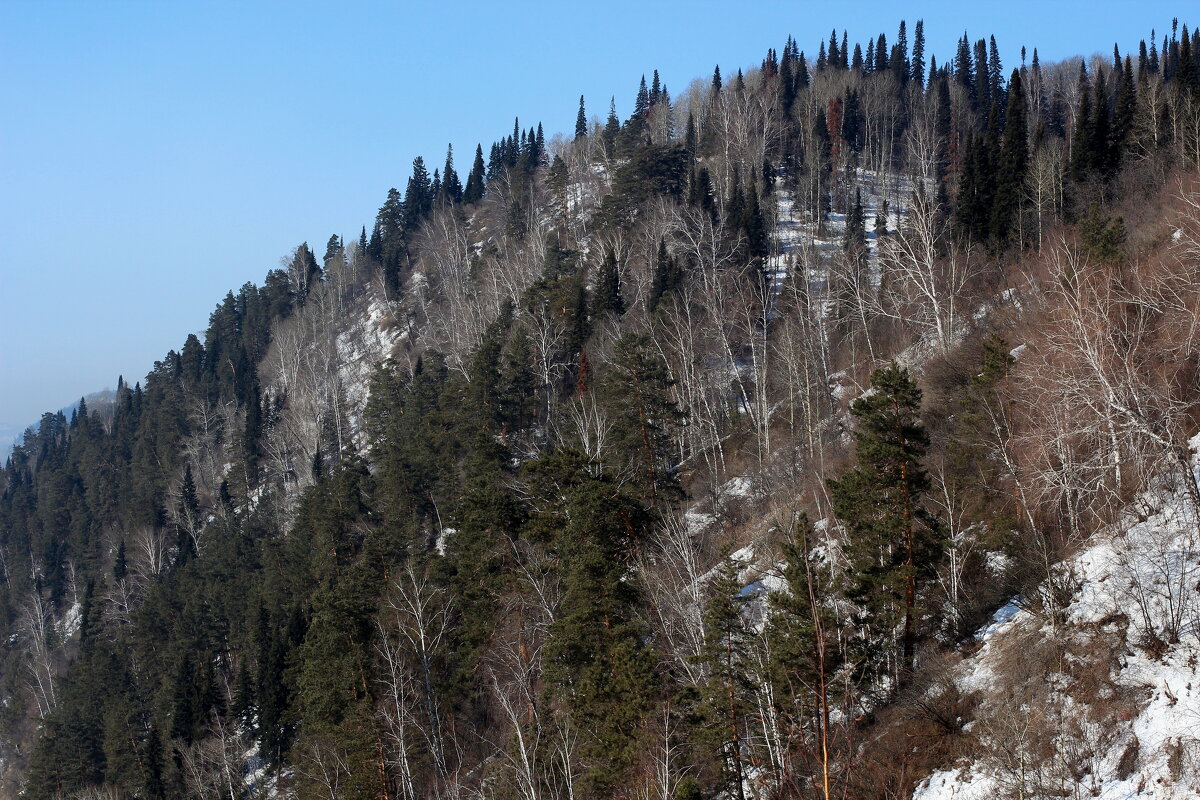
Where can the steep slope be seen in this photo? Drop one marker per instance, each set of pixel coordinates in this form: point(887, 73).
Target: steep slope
point(510, 497)
point(1090, 688)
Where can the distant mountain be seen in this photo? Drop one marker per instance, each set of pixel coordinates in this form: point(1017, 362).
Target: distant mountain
point(12, 434)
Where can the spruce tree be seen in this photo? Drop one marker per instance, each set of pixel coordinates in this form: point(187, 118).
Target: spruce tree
point(854, 238)
point(918, 54)
point(1081, 139)
point(473, 192)
point(1012, 167)
point(607, 296)
point(1126, 109)
point(418, 196)
point(581, 121)
point(665, 279)
point(451, 188)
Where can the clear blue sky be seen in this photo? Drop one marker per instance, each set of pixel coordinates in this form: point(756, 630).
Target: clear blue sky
point(154, 155)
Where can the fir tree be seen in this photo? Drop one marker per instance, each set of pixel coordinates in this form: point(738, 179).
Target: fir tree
point(581, 121)
point(1081, 139)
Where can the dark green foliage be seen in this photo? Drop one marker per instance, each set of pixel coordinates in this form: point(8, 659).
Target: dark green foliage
point(1103, 237)
point(637, 391)
point(227, 579)
point(473, 192)
point(581, 129)
point(595, 654)
point(726, 696)
point(667, 276)
point(418, 196)
point(451, 190)
point(894, 543)
point(654, 170)
point(854, 238)
point(754, 227)
point(1012, 166)
point(607, 297)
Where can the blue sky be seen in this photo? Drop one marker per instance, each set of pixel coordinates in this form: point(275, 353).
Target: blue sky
point(154, 155)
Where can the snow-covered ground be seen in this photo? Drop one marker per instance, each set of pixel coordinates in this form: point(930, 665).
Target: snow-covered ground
point(1115, 712)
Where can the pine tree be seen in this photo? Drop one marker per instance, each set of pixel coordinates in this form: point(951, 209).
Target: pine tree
point(595, 656)
point(894, 543)
point(637, 393)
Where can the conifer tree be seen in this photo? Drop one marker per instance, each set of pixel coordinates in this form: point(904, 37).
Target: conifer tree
point(473, 192)
point(666, 276)
point(918, 54)
point(608, 288)
point(754, 227)
point(894, 543)
point(1081, 138)
point(451, 188)
point(1126, 109)
point(595, 655)
point(803, 653)
point(581, 121)
point(854, 238)
point(1012, 166)
point(637, 393)
point(418, 197)
point(727, 694)
point(1103, 154)
point(612, 126)
point(964, 73)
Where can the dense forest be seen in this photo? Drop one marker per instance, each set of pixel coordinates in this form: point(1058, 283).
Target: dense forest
point(668, 458)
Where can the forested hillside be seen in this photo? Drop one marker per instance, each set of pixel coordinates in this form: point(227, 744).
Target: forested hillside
point(680, 456)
